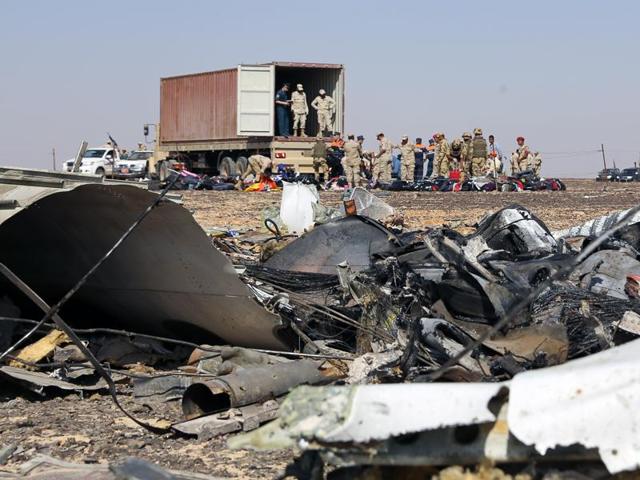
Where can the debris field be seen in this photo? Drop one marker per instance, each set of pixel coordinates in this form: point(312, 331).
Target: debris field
point(370, 336)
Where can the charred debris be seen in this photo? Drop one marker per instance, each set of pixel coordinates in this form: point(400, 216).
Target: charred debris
point(414, 334)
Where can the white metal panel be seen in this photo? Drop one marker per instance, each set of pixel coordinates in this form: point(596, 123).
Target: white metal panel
point(256, 96)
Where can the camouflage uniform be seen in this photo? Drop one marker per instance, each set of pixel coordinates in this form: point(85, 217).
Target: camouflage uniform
point(480, 153)
point(536, 164)
point(441, 165)
point(456, 154)
point(351, 162)
point(319, 155)
point(467, 154)
point(520, 159)
point(381, 165)
point(408, 165)
point(256, 166)
point(324, 107)
point(300, 111)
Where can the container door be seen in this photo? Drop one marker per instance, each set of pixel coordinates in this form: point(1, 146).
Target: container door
point(256, 95)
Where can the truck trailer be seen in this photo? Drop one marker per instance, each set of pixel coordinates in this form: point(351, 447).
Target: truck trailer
point(215, 120)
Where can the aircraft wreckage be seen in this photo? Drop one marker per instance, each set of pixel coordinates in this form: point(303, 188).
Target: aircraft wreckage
point(510, 345)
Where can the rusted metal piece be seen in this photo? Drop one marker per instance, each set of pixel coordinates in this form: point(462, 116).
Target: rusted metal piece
point(251, 385)
point(196, 107)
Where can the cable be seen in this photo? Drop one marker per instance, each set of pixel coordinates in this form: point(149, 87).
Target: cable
point(205, 348)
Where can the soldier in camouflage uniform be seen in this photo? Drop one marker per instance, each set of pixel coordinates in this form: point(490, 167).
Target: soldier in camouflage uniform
point(479, 152)
point(300, 110)
point(324, 105)
point(319, 156)
point(467, 155)
point(536, 164)
point(351, 160)
point(455, 154)
point(441, 162)
point(520, 158)
point(381, 163)
point(408, 162)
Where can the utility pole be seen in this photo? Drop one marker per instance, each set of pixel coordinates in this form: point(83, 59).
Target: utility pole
point(604, 159)
point(53, 156)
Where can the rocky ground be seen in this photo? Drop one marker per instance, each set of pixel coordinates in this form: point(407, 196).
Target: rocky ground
point(91, 429)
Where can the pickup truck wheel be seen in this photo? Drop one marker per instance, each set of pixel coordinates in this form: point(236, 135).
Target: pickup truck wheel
point(241, 164)
point(100, 171)
point(227, 167)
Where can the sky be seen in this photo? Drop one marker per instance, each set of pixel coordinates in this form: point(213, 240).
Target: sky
point(564, 74)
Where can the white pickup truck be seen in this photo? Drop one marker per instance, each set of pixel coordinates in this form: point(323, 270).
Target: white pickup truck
point(97, 161)
point(136, 165)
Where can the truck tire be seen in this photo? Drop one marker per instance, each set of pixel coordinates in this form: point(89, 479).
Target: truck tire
point(100, 171)
point(241, 164)
point(227, 167)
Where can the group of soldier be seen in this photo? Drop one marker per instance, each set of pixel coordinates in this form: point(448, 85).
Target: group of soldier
point(470, 156)
point(323, 104)
point(473, 156)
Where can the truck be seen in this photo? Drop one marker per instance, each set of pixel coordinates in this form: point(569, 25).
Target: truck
point(136, 165)
point(97, 161)
point(213, 121)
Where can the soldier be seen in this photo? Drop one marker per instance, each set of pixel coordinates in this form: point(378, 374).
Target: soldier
point(381, 165)
point(467, 154)
point(258, 165)
point(324, 105)
point(536, 164)
point(441, 162)
point(319, 156)
point(351, 160)
point(479, 153)
point(300, 110)
point(455, 154)
point(408, 161)
point(520, 158)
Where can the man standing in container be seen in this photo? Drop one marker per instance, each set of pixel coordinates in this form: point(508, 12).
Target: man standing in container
point(324, 105)
point(283, 106)
point(300, 110)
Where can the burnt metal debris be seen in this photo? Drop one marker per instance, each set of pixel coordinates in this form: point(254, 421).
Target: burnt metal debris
point(428, 339)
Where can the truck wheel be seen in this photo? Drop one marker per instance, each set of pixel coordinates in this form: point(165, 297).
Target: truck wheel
point(100, 171)
point(241, 164)
point(227, 167)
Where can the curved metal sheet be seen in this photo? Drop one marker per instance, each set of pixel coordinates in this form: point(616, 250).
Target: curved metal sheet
point(166, 278)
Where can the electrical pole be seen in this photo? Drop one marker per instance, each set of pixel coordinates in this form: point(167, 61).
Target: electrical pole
point(53, 156)
point(604, 159)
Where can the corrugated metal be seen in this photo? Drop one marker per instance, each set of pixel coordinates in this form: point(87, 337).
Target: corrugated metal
point(198, 107)
point(203, 106)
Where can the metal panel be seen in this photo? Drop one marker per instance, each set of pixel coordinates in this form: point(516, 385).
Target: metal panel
point(198, 107)
point(165, 279)
point(256, 91)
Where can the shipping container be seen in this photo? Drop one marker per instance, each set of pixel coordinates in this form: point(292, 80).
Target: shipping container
point(216, 119)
